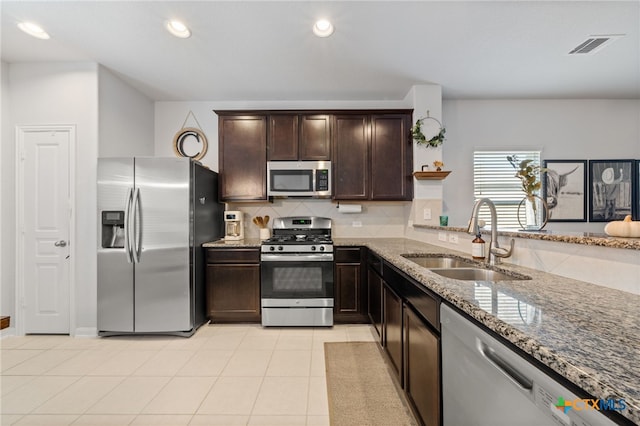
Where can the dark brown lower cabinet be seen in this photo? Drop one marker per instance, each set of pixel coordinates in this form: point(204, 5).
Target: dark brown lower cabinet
point(392, 328)
point(233, 285)
point(422, 368)
point(350, 304)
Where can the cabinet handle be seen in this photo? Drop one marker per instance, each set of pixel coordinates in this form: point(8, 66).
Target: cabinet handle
point(512, 374)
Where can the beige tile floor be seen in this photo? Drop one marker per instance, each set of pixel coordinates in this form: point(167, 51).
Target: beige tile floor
point(223, 375)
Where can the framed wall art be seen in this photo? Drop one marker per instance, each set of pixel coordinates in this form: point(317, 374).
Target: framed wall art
point(612, 189)
point(565, 190)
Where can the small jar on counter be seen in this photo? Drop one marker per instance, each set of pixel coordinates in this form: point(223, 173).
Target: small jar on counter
point(477, 248)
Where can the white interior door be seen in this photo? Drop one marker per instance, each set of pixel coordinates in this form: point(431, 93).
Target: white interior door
point(46, 217)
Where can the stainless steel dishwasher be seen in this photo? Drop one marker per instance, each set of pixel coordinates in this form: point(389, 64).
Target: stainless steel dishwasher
point(486, 384)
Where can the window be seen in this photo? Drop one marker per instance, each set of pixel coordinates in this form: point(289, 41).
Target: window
point(494, 178)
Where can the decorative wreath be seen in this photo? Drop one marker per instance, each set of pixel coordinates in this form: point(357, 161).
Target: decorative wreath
point(421, 139)
point(182, 135)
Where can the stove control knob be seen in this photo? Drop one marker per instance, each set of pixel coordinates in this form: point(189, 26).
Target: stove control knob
point(272, 248)
point(321, 248)
point(313, 248)
point(280, 248)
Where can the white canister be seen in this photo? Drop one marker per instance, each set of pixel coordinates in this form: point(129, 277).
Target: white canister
point(265, 233)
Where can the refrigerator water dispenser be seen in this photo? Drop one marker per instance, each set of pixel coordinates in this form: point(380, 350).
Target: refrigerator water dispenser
point(113, 229)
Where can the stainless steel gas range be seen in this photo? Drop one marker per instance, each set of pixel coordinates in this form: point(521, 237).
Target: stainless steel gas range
point(297, 273)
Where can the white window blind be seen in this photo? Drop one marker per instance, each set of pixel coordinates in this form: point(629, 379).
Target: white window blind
point(494, 178)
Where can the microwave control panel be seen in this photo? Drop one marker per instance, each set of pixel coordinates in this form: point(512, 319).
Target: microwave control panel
point(322, 180)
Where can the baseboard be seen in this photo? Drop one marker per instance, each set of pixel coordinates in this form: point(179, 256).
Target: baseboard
point(7, 332)
point(85, 332)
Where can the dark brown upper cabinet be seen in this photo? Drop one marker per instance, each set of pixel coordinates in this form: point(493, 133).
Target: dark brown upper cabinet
point(242, 143)
point(391, 157)
point(299, 137)
point(351, 157)
point(372, 156)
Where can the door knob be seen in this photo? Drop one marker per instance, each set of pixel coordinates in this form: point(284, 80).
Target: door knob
point(61, 243)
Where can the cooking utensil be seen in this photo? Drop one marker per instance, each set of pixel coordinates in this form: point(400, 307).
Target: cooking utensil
point(266, 220)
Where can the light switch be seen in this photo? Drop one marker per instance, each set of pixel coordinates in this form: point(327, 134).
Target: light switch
point(426, 214)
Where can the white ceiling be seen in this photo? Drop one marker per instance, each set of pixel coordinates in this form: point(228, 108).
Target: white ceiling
point(265, 50)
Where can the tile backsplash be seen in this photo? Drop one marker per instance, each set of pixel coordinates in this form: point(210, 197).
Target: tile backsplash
point(377, 219)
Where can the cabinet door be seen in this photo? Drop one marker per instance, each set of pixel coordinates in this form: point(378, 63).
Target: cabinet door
point(374, 292)
point(350, 303)
point(391, 157)
point(348, 288)
point(233, 292)
point(350, 157)
point(392, 325)
point(243, 157)
point(422, 368)
point(283, 137)
point(315, 137)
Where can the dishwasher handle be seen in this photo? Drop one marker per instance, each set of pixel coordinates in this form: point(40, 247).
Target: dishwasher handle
point(519, 379)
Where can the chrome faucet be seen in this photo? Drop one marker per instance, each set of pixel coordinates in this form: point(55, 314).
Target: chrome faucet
point(495, 252)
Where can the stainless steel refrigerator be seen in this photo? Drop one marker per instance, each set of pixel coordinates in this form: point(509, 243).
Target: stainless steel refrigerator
point(153, 216)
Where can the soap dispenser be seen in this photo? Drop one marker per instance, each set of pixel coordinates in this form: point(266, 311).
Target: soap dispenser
point(477, 248)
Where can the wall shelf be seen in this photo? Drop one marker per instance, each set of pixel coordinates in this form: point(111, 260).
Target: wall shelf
point(431, 175)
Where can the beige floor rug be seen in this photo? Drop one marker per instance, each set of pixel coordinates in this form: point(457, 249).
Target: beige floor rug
point(361, 389)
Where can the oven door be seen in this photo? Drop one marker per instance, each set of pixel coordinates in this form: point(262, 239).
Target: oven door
point(296, 276)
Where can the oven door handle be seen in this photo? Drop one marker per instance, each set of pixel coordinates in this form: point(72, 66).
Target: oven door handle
point(293, 257)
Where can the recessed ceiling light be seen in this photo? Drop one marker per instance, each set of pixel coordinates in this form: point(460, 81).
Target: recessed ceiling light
point(323, 28)
point(178, 29)
point(33, 30)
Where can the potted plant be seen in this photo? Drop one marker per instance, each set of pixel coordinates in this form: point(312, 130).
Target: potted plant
point(535, 207)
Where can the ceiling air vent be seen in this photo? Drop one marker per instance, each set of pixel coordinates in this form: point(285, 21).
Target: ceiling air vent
point(594, 43)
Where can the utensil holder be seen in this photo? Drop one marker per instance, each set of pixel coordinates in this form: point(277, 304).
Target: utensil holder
point(265, 233)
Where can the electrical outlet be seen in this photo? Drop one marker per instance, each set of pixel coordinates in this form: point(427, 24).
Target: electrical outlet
point(426, 214)
point(453, 238)
point(442, 236)
point(356, 224)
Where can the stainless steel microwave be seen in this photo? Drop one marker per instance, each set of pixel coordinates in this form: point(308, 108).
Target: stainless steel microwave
point(299, 179)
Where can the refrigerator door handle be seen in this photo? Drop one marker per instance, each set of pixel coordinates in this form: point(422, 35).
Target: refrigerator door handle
point(127, 225)
point(137, 226)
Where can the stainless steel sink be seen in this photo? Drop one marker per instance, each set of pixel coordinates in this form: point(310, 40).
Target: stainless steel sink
point(478, 274)
point(461, 269)
point(431, 262)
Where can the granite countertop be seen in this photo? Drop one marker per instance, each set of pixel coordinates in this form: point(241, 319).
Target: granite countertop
point(586, 333)
point(248, 242)
point(585, 238)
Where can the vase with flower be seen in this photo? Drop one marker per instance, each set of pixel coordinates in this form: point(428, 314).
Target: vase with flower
point(532, 210)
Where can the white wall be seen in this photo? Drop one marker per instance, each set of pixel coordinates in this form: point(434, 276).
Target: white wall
point(66, 93)
point(111, 118)
point(7, 212)
point(125, 118)
point(563, 129)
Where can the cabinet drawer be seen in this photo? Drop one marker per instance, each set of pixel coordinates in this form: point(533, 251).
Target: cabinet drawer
point(427, 307)
point(424, 303)
point(347, 255)
point(239, 255)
